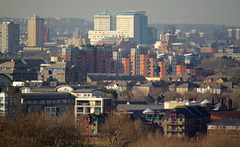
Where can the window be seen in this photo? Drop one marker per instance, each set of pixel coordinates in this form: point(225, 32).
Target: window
point(97, 110)
point(80, 109)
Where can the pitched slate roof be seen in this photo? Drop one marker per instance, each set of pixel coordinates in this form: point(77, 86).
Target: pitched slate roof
point(116, 77)
point(219, 76)
point(61, 65)
point(184, 85)
point(184, 77)
point(133, 102)
point(74, 87)
point(206, 101)
point(86, 90)
point(142, 107)
point(119, 84)
point(43, 90)
point(192, 111)
point(148, 110)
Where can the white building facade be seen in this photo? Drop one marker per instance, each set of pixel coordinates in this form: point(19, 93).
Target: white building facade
point(9, 37)
point(91, 101)
point(129, 25)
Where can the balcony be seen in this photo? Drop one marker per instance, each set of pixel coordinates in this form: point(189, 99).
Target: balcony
point(173, 129)
point(88, 133)
point(173, 122)
point(83, 104)
point(152, 118)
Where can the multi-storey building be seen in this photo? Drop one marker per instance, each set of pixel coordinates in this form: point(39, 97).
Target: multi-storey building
point(161, 68)
point(91, 101)
point(192, 59)
point(126, 65)
point(117, 57)
point(185, 121)
point(69, 54)
point(237, 34)
point(147, 65)
point(176, 60)
point(10, 98)
point(36, 32)
point(96, 59)
point(18, 71)
point(208, 49)
point(135, 60)
point(180, 69)
point(152, 35)
point(63, 72)
point(129, 25)
point(9, 38)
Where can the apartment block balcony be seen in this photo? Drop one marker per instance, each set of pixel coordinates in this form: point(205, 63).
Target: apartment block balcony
point(174, 122)
point(173, 129)
point(152, 118)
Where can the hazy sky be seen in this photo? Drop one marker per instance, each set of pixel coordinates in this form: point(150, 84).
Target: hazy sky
point(158, 11)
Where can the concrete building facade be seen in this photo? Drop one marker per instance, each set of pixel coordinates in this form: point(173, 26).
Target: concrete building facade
point(36, 31)
point(9, 37)
point(128, 24)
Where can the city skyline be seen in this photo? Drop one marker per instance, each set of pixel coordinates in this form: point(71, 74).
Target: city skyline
point(174, 11)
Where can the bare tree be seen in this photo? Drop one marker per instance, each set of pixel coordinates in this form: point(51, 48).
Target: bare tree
point(120, 130)
point(39, 130)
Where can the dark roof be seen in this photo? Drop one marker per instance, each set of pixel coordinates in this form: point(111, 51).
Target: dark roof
point(226, 114)
point(116, 77)
point(86, 90)
point(43, 90)
point(142, 107)
point(119, 84)
point(184, 85)
point(47, 96)
point(184, 77)
point(132, 103)
point(226, 122)
point(5, 80)
point(74, 87)
point(192, 111)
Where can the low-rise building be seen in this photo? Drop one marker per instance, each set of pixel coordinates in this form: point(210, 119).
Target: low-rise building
point(213, 88)
point(229, 126)
point(118, 86)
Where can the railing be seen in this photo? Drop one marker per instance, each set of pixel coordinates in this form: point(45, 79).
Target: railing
point(152, 118)
point(174, 122)
point(175, 129)
point(87, 104)
point(88, 133)
point(83, 104)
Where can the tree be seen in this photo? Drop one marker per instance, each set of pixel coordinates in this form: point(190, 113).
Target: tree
point(39, 130)
point(120, 130)
point(113, 93)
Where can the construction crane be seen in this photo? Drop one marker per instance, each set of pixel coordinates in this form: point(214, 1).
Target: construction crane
point(46, 34)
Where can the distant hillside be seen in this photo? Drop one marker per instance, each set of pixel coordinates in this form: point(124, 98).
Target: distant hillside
point(63, 26)
point(226, 66)
point(66, 26)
